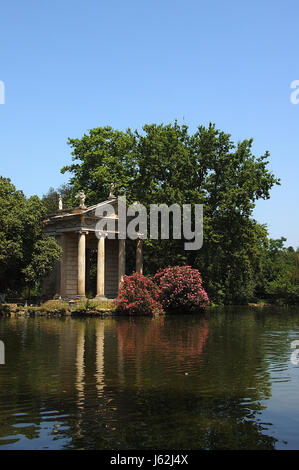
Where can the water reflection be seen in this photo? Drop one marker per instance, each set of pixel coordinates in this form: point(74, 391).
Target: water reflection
point(100, 329)
point(80, 365)
point(182, 382)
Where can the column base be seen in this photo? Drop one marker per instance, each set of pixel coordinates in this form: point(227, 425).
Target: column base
point(69, 297)
point(100, 297)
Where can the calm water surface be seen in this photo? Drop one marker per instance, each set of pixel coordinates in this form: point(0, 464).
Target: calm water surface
point(222, 381)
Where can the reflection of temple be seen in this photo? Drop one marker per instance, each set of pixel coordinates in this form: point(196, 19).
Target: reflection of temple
point(99, 360)
point(131, 344)
point(75, 230)
point(121, 384)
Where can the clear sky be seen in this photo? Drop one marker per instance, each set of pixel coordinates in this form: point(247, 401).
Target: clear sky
point(71, 65)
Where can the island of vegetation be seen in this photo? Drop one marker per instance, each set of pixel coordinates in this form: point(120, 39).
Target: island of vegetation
point(238, 263)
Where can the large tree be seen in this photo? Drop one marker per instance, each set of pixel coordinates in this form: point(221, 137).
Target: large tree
point(51, 198)
point(167, 164)
point(26, 255)
point(280, 273)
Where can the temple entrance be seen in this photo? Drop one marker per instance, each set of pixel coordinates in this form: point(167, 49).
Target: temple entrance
point(91, 273)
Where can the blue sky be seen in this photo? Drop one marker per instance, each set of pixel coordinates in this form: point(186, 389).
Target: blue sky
point(70, 65)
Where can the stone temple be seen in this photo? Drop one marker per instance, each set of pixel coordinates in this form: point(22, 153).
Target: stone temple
point(75, 230)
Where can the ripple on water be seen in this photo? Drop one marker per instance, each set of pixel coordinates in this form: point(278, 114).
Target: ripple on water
point(122, 383)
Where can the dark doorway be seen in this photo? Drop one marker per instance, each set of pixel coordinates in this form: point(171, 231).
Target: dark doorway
point(91, 273)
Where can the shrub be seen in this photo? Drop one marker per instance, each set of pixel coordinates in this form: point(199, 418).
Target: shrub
point(51, 306)
point(181, 289)
point(139, 295)
point(5, 309)
point(281, 291)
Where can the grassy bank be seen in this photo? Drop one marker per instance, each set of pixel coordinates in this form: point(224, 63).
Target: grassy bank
point(61, 308)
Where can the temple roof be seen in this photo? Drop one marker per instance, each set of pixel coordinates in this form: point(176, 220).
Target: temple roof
point(76, 211)
point(77, 218)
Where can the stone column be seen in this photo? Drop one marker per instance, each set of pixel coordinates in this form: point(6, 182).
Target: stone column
point(101, 268)
point(81, 263)
point(63, 241)
point(139, 256)
point(121, 260)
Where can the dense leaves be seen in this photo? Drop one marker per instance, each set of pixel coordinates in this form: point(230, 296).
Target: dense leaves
point(280, 275)
point(167, 164)
point(26, 255)
point(51, 198)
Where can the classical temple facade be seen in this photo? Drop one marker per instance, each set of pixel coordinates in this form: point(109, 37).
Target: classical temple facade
point(75, 231)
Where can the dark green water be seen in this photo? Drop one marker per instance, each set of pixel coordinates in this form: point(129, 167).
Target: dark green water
point(223, 381)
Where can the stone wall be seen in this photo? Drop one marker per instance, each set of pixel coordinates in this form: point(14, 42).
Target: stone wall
point(70, 245)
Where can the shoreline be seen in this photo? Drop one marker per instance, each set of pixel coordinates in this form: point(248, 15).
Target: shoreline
point(97, 309)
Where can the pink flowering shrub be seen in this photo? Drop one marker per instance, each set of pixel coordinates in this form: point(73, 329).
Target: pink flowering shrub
point(139, 295)
point(181, 289)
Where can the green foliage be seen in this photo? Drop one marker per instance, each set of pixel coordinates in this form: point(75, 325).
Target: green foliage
point(5, 309)
point(45, 254)
point(51, 198)
point(103, 156)
point(52, 306)
point(167, 164)
point(26, 255)
point(92, 306)
point(280, 273)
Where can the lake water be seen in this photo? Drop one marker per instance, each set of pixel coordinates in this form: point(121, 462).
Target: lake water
point(224, 380)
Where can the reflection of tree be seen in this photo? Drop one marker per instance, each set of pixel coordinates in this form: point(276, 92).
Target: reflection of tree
point(136, 339)
point(211, 403)
point(181, 382)
point(41, 366)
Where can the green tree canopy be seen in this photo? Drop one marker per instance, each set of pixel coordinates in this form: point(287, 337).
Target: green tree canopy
point(280, 273)
point(26, 255)
point(168, 164)
point(51, 198)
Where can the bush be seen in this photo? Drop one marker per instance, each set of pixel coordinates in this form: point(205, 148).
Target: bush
point(139, 295)
point(5, 309)
point(51, 306)
point(181, 289)
point(281, 291)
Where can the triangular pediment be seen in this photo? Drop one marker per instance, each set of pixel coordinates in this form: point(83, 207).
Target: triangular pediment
point(79, 218)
